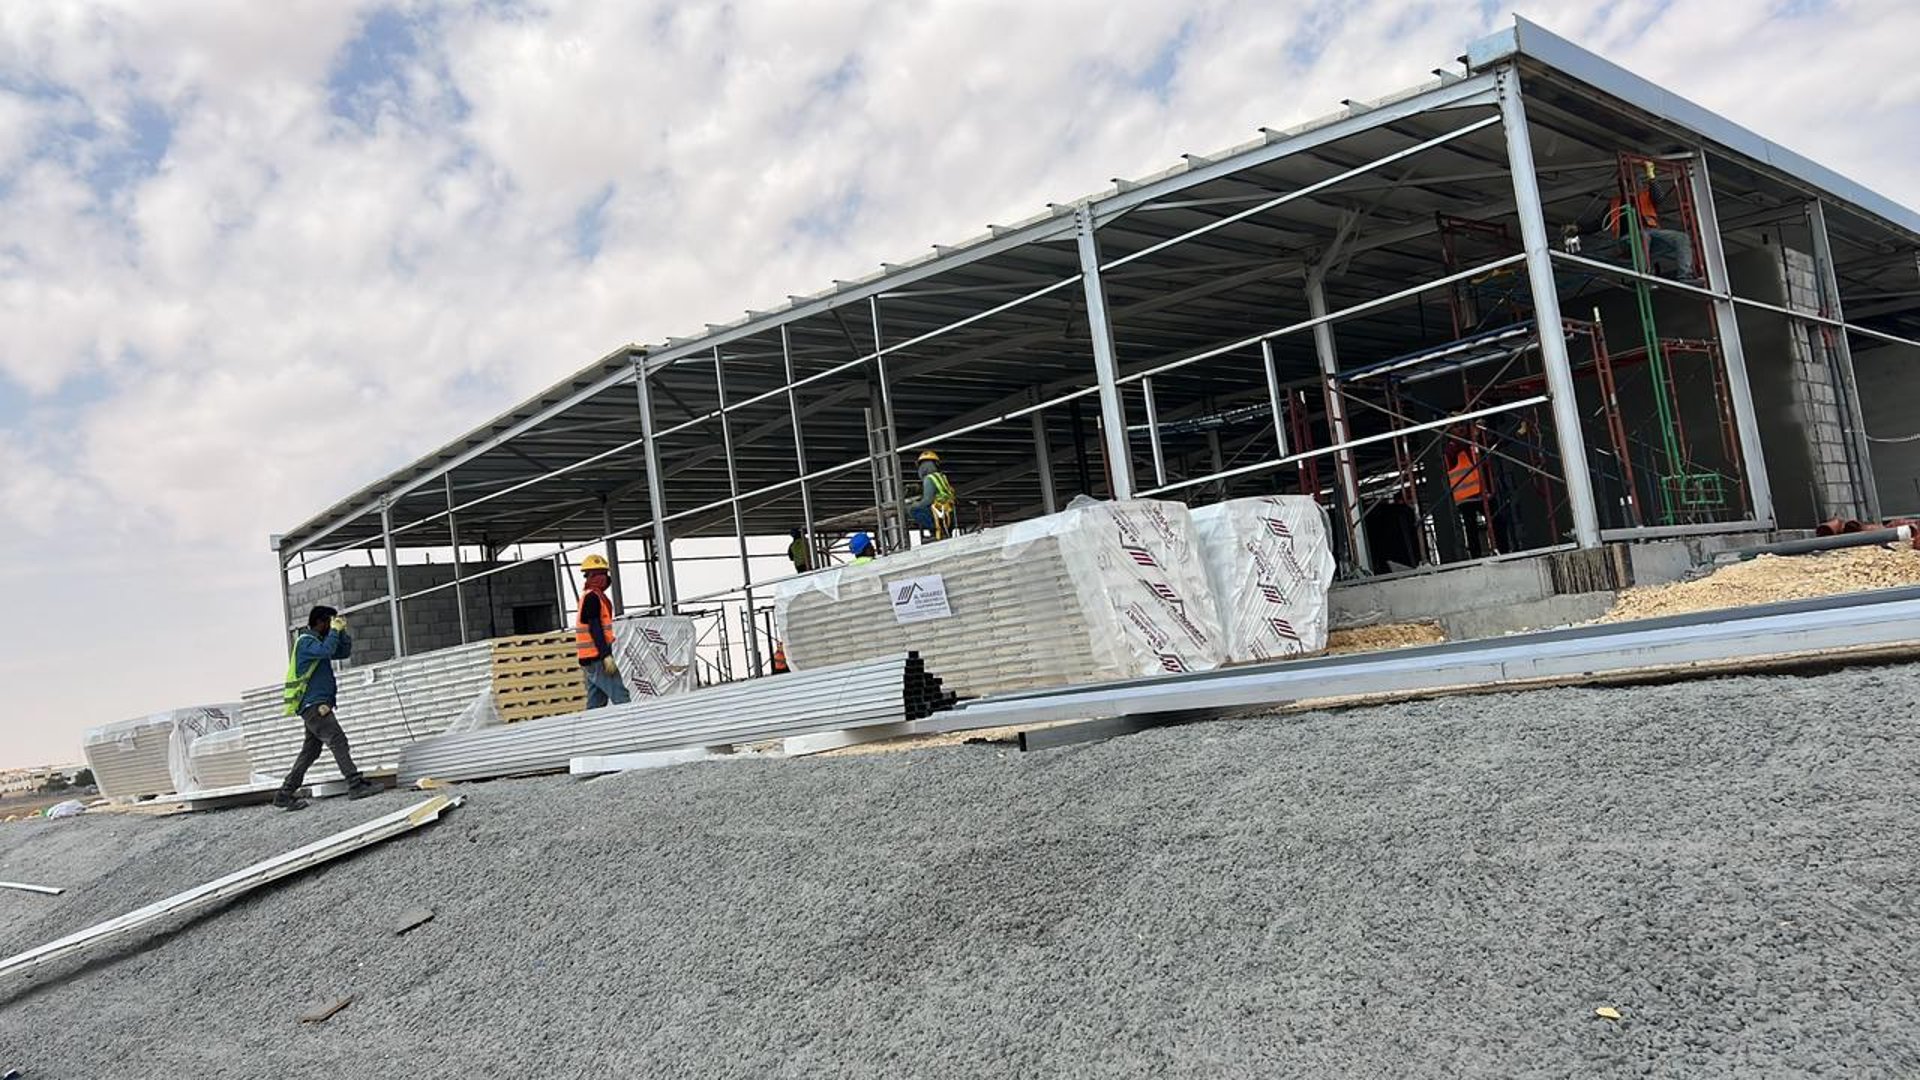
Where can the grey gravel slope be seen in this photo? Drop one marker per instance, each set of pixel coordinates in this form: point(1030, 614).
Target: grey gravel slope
point(1434, 889)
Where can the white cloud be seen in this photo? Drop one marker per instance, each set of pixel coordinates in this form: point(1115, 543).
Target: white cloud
point(279, 310)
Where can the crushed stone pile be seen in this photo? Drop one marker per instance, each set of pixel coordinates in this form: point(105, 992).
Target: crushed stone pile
point(1435, 889)
point(1774, 577)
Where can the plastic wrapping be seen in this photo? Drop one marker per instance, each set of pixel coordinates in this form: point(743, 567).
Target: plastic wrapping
point(1102, 590)
point(1270, 564)
point(219, 760)
point(655, 654)
point(151, 755)
point(482, 712)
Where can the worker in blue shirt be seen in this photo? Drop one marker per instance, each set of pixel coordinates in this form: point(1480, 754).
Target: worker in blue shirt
point(309, 692)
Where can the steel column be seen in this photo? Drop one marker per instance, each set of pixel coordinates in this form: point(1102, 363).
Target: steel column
point(893, 436)
point(1546, 312)
point(1727, 323)
point(613, 555)
point(560, 589)
point(1273, 385)
point(393, 579)
point(739, 522)
point(1869, 495)
point(1113, 413)
point(799, 447)
point(1340, 427)
point(453, 539)
point(656, 496)
point(1043, 463)
point(1153, 433)
point(286, 592)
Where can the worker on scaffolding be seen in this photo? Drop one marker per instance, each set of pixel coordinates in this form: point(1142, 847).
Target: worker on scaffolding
point(1469, 484)
point(933, 512)
point(798, 553)
point(593, 636)
point(861, 546)
point(1672, 245)
point(310, 692)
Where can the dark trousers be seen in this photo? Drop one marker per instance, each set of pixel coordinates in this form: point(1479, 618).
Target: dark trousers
point(1473, 524)
point(323, 729)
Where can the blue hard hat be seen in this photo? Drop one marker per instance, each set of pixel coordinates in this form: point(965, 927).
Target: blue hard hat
point(859, 542)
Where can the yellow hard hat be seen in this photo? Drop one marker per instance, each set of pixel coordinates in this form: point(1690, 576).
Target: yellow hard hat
point(593, 562)
point(928, 455)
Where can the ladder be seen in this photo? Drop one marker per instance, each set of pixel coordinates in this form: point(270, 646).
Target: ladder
point(888, 531)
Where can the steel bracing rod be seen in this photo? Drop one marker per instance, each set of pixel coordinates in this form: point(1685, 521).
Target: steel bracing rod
point(899, 509)
point(878, 354)
point(1743, 301)
point(393, 582)
point(739, 522)
point(1732, 353)
point(1113, 413)
point(656, 494)
point(1301, 193)
point(453, 540)
point(617, 594)
point(1827, 276)
point(1368, 440)
point(1274, 404)
point(1546, 311)
point(799, 443)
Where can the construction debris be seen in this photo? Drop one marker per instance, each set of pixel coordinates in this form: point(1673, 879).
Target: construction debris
point(319, 1014)
point(1386, 636)
point(22, 887)
point(1773, 577)
point(412, 919)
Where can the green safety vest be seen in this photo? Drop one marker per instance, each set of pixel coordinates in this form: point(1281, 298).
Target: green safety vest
point(942, 491)
point(295, 684)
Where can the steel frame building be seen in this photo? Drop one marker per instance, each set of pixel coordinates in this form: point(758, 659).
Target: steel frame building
point(1203, 333)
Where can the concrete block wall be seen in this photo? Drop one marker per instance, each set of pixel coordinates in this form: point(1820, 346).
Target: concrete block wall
point(433, 621)
point(1815, 395)
point(1889, 385)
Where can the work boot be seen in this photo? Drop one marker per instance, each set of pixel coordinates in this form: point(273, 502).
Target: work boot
point(361, 788)
point(287, 800)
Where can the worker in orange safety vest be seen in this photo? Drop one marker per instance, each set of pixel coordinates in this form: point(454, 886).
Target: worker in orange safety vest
point(593, 637)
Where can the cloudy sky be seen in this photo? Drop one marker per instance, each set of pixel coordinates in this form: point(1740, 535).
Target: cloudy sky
point(254, 255)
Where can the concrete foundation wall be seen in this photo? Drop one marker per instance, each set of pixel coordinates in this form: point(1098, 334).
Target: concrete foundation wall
point(433, 621)
point(1889, 388)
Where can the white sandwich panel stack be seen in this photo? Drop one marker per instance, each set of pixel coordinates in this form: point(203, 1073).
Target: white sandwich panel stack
point(1270, 565)
point(129, 758)
point(219, 760)
point(382, 707)
point(655, 654)
point(888, 690)
point(190, 728)
point(1102, 590)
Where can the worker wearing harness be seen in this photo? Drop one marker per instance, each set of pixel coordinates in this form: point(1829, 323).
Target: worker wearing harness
point(934, 510)
point(309, 692)
point(593, 637)
point(1673, 245)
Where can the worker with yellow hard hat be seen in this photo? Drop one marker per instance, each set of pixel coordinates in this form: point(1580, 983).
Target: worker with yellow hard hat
point(933, 512)
point(593, 636)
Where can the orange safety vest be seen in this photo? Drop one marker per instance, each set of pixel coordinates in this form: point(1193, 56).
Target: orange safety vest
point(1649, 217)
point(779, 658)
point(1463, 475)
point(583, 634)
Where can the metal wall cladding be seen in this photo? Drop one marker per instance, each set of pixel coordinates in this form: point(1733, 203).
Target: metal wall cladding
point(887, 690)
point(1270, 564)
point(1099, 591)
point(382, 707)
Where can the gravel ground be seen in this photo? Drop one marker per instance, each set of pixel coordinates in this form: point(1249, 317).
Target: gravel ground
point(1448, 888)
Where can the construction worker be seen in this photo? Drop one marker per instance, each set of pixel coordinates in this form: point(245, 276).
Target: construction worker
point(1675, 246)
point(798, 553)
point(593, 636)
point(861, 545)
point(933, 512)
point(309, 692)
point(779, 666)
point(1467, 480)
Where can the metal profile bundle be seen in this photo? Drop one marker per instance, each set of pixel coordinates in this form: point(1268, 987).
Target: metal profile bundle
point(890, 690)
point(226, 888)
point(383, 707)
point(1101, 590)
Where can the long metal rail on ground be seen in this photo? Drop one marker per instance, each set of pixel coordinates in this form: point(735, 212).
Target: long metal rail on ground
point(1825, 628)
point(226, 888)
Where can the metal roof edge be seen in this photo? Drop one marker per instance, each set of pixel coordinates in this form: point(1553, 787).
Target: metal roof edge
point(1530, 40)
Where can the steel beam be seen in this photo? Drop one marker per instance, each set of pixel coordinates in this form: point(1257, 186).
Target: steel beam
point(1733, 353)
point(453, 540)
point(1869, 494)
point(1113, 414)
point(799, 447)
point(1546, 307)
point(1153, 432)
point(899, 509)
point(393, 580)
point(661, 540)
point(739, 523)
point(613, 555)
